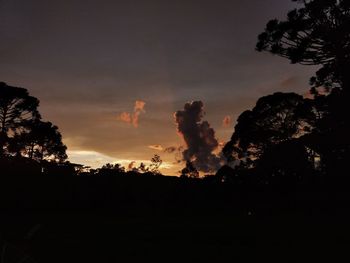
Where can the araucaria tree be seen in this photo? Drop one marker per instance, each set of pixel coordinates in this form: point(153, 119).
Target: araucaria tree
point(16, 107)
point(317, 33)
point(21, 130)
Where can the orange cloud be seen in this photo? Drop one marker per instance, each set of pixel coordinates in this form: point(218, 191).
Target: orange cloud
point(221, 144)
point(171, 149)
point(156, 147)
point(139, 106)
point(125, 117)
point(133, 118)
point(226, 122)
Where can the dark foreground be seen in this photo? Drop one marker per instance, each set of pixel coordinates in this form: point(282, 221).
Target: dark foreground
point(143, 219)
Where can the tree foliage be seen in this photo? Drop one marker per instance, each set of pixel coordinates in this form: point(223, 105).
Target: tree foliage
point(111, 169)
point(41, 140)
point(16, 108)
point(156, 162)
point(189, 171)
point(275, 119)
point(317, 33)
point(22, 132)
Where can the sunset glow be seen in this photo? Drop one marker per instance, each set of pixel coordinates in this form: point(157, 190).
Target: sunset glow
point(114, 95)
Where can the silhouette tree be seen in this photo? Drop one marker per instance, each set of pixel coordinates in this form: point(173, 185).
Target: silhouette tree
point(225, 174)
point(40, 140)
point(317, 33)
point(275, 119)
point(331, 139)
point(143, 168)
point(111, 169)
point(16, 107)
point(189, 171)
point(288, 161)
point(156, 162)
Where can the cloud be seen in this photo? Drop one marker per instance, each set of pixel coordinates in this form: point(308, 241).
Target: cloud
point(96, 160)
point(226, 122)
point(133, 118)
point(138, 109)
point(177, 151)
point(198, 136)
point(125, 117)
point(222, 144)
point(156, 147)
point(139, 106)
point(171, 149)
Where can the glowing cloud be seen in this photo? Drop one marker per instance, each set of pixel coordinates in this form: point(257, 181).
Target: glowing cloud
point(156, 147)
point(133, 118)
point(139, 106)
point(125, 117)
point(226, 122)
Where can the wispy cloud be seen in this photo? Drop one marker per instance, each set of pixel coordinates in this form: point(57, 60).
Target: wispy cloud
point(125, 117)
point(227, 121)
point(156, 147)
point(96, 160)
point(172, 149)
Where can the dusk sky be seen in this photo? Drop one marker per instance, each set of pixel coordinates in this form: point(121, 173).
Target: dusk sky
point(90, 61)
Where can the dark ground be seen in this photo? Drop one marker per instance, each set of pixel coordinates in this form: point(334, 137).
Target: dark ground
point(146, 219)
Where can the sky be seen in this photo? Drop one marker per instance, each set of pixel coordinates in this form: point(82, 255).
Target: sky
point(111, 74)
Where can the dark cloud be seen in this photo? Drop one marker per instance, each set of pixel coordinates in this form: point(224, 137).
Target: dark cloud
point(177, 151)
point(171, 149)
point(198, 136)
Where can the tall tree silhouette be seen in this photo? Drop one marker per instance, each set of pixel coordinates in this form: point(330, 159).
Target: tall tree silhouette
point(156, 162)
point(317, 33)
point(16, 107)
point(22, 133)
point(275, 119)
